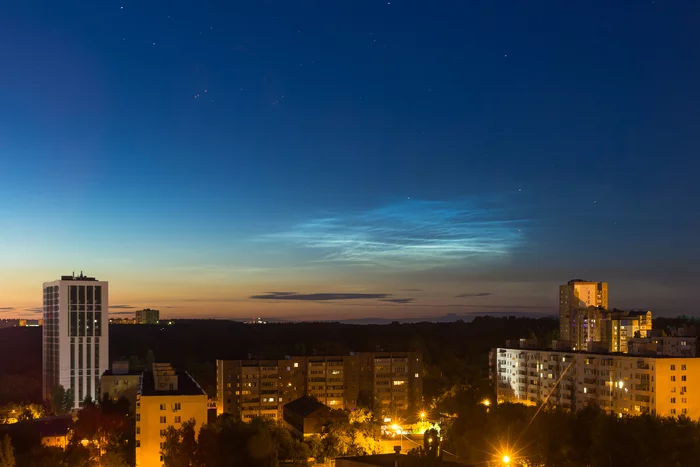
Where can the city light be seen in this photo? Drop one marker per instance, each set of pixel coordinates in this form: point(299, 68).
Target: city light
point(422, 415)
point(506, 459)
point(486, 402)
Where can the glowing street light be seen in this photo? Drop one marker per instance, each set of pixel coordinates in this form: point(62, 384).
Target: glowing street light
point(486, 402)
point(422, 415)
point(506, 460)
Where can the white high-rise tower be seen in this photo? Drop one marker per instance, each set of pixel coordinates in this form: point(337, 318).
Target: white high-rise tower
point(75, 336)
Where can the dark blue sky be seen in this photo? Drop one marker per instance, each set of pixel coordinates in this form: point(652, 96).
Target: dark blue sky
point(392, 155)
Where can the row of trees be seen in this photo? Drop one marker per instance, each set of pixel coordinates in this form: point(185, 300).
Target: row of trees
point(101, 434)
point(265, 443)
point(553, 437)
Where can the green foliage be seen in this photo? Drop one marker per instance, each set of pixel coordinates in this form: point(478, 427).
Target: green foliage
point(557, 438)
point(180, 445)
point(431, 441)
point(61, 400)
point(229, 441)
point(7, 453)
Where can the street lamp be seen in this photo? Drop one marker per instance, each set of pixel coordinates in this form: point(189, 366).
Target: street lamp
point(486, 402)
point(422, 415)
point(506, 460)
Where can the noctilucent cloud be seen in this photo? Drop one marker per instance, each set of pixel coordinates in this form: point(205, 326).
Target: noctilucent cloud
point(336, 160)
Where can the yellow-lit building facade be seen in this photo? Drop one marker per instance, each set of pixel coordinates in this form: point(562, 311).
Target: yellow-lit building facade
point(619, 327)
point(167, 398)
point(618, 383)
point(121, 382)
point(579, 295)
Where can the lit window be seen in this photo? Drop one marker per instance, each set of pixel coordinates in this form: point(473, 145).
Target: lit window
point(296, 365)
point(416, 375)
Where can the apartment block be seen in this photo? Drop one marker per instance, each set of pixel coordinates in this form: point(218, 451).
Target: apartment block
point(622, 384)
point(166, 398)
point(670, 346)
point(618, 327)
point(254, 388)
point(75, 336)
point(575, 296)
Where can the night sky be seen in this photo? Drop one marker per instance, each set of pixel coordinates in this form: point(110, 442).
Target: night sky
point(339, 159)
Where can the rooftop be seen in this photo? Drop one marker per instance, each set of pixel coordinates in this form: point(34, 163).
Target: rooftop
point(81, 277)
point(186, 386)
point(592, 354)
point(306, 406)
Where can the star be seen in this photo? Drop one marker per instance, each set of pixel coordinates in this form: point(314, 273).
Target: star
point(121, 7)
point(154, 43)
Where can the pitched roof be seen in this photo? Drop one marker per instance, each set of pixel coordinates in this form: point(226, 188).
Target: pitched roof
point(306, 406)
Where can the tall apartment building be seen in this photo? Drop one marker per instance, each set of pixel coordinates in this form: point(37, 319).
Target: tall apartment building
point(166, 398)
point(622, 384)
point(75, 336)
point(575, 299)
point(619, 327)
point(382, 380)
point(147, 316)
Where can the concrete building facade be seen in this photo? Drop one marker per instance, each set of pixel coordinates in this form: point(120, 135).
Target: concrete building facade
point(166, 398)
point(381, 380)
point(147, 316)
point(574, 297)
point(622, 384)
point(75, 336)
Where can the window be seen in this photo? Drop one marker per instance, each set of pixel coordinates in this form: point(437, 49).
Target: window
point(138, 417)
point(673, 378)
point(162, 432)
point(138, 443)
point(162, 406)
point(684, 388)
point(177, 406)
point(138, 430)
point(684, 411)
point(296, 365)
point(417, 375)
point(683, 367)
point(673, 400)
point(673, 367)
point(162, 419)
point(684, 378)
point(684, 400)
point(178, 419)
point(673, 411)
point(673, 389)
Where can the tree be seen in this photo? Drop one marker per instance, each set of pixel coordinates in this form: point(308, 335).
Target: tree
point(431, 441)
point(7, 453)
point(61, 400)
point(360, 415)
point(180, 445)
point(112, 459)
